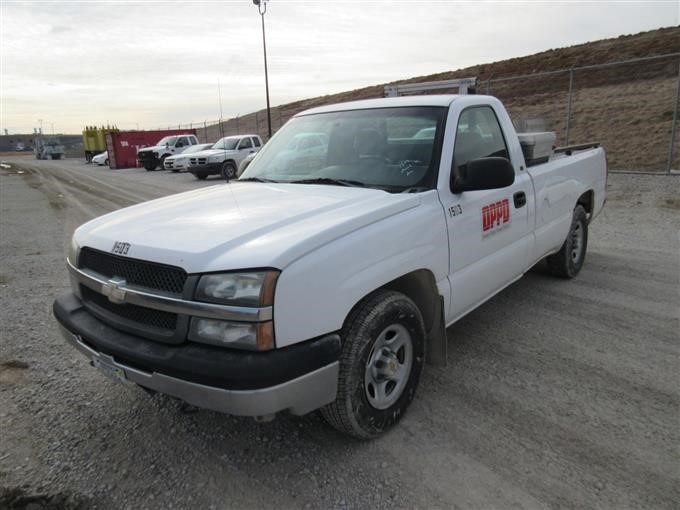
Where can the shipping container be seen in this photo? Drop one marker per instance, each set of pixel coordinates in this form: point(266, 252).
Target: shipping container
point(123, 145)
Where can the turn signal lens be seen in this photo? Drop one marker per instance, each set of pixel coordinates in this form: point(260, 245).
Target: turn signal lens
point(254, 336)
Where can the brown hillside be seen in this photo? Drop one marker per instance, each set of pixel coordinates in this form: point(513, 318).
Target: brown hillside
point(627, 107)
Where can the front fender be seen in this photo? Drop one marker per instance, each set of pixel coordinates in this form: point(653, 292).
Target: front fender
point(316, 292)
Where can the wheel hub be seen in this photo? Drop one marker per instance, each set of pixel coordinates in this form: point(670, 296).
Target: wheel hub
point(388, 367)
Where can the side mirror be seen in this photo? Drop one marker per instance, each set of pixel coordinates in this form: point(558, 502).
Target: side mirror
point(484, 173)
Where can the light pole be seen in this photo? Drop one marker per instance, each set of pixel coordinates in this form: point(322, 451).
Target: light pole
point(262, 8)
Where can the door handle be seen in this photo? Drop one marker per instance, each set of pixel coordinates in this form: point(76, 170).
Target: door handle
point(520, 199)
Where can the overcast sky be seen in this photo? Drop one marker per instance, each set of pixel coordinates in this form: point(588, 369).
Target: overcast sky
point(151, 64)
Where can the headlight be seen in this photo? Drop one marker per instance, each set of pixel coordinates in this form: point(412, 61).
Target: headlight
point(238, 289)
point(73, 250)
point(255, 336)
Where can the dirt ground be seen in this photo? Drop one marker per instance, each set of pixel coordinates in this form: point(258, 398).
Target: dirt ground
point(558, 394)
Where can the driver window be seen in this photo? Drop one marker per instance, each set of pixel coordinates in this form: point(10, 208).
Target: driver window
point(478, 135)
point(181, 142)
point(245, 144)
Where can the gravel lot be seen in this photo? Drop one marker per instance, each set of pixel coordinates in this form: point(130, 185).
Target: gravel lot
point(557, 393)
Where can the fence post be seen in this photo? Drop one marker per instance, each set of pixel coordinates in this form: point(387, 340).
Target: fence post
point(488, 86)
point(674, 125)
point(257, 123)
point(237, 128)
point(205, 131)
point(571, 84)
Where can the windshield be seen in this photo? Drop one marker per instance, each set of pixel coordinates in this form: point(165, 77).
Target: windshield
point(168, 140)
point(379, 148)
point(228, 144)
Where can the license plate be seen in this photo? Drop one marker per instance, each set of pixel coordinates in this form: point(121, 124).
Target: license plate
point(110, 371)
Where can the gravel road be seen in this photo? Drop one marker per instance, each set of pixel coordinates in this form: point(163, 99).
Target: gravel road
point(557, 394)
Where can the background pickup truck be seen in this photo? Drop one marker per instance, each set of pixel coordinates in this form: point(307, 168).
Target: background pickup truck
point(224, 157)
point(325, 278)
point(152, 157)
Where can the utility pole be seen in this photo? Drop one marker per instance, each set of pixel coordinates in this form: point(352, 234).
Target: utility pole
point(262, 8)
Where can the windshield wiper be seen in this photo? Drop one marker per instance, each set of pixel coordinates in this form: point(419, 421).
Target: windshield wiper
point(256, 179)
point(328, 180)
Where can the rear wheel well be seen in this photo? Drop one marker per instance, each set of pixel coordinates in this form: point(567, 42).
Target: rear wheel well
point(587, 200)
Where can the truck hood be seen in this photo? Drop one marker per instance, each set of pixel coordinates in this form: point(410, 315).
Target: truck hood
point(210, 152)
point(241, 225)
point(154, 148)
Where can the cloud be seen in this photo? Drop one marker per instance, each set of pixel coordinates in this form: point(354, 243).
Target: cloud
point(59, 29)
point(152, 63)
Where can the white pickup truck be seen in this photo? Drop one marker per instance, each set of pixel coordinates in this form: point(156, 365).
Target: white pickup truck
point(152, 157)
point(325, 281)
point(224, 157)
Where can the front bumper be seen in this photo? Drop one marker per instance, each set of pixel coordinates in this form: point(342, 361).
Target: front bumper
point(207, 169)
point(299, 378)
point(147, 158)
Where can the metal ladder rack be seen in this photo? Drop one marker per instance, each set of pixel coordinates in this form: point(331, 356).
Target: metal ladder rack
point(464, 86)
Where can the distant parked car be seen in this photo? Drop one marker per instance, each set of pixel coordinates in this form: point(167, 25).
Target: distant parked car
point(181, 161)
point(101, 159)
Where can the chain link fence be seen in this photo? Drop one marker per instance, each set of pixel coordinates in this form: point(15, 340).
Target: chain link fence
point(630, 107)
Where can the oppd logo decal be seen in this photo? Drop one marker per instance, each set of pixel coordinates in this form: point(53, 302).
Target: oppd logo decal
point(495, 217)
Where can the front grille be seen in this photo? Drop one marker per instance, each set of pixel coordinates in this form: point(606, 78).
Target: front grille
point(135, 272)
point(198, 161)
point(169, 163)
point(138, 314)
point(145, 155)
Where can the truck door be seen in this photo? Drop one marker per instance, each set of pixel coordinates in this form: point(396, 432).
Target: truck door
point(488, 230)
point(245, 147)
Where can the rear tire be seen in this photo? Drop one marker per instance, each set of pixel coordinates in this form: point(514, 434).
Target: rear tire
point(382, 357)
point(567, 262)
point(106, 162)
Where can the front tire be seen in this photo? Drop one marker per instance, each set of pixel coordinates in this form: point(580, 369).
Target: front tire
point(567, 262)
point(382, 357)
point(149, 167)
point(228, 171)
point(201, 177)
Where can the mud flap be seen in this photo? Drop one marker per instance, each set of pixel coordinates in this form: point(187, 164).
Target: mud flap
point(436, 339)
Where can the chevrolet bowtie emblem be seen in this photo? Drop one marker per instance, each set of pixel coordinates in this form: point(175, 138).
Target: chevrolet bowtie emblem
point(113, 289)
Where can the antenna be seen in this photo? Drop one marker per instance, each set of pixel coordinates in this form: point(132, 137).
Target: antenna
point(219, 95)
